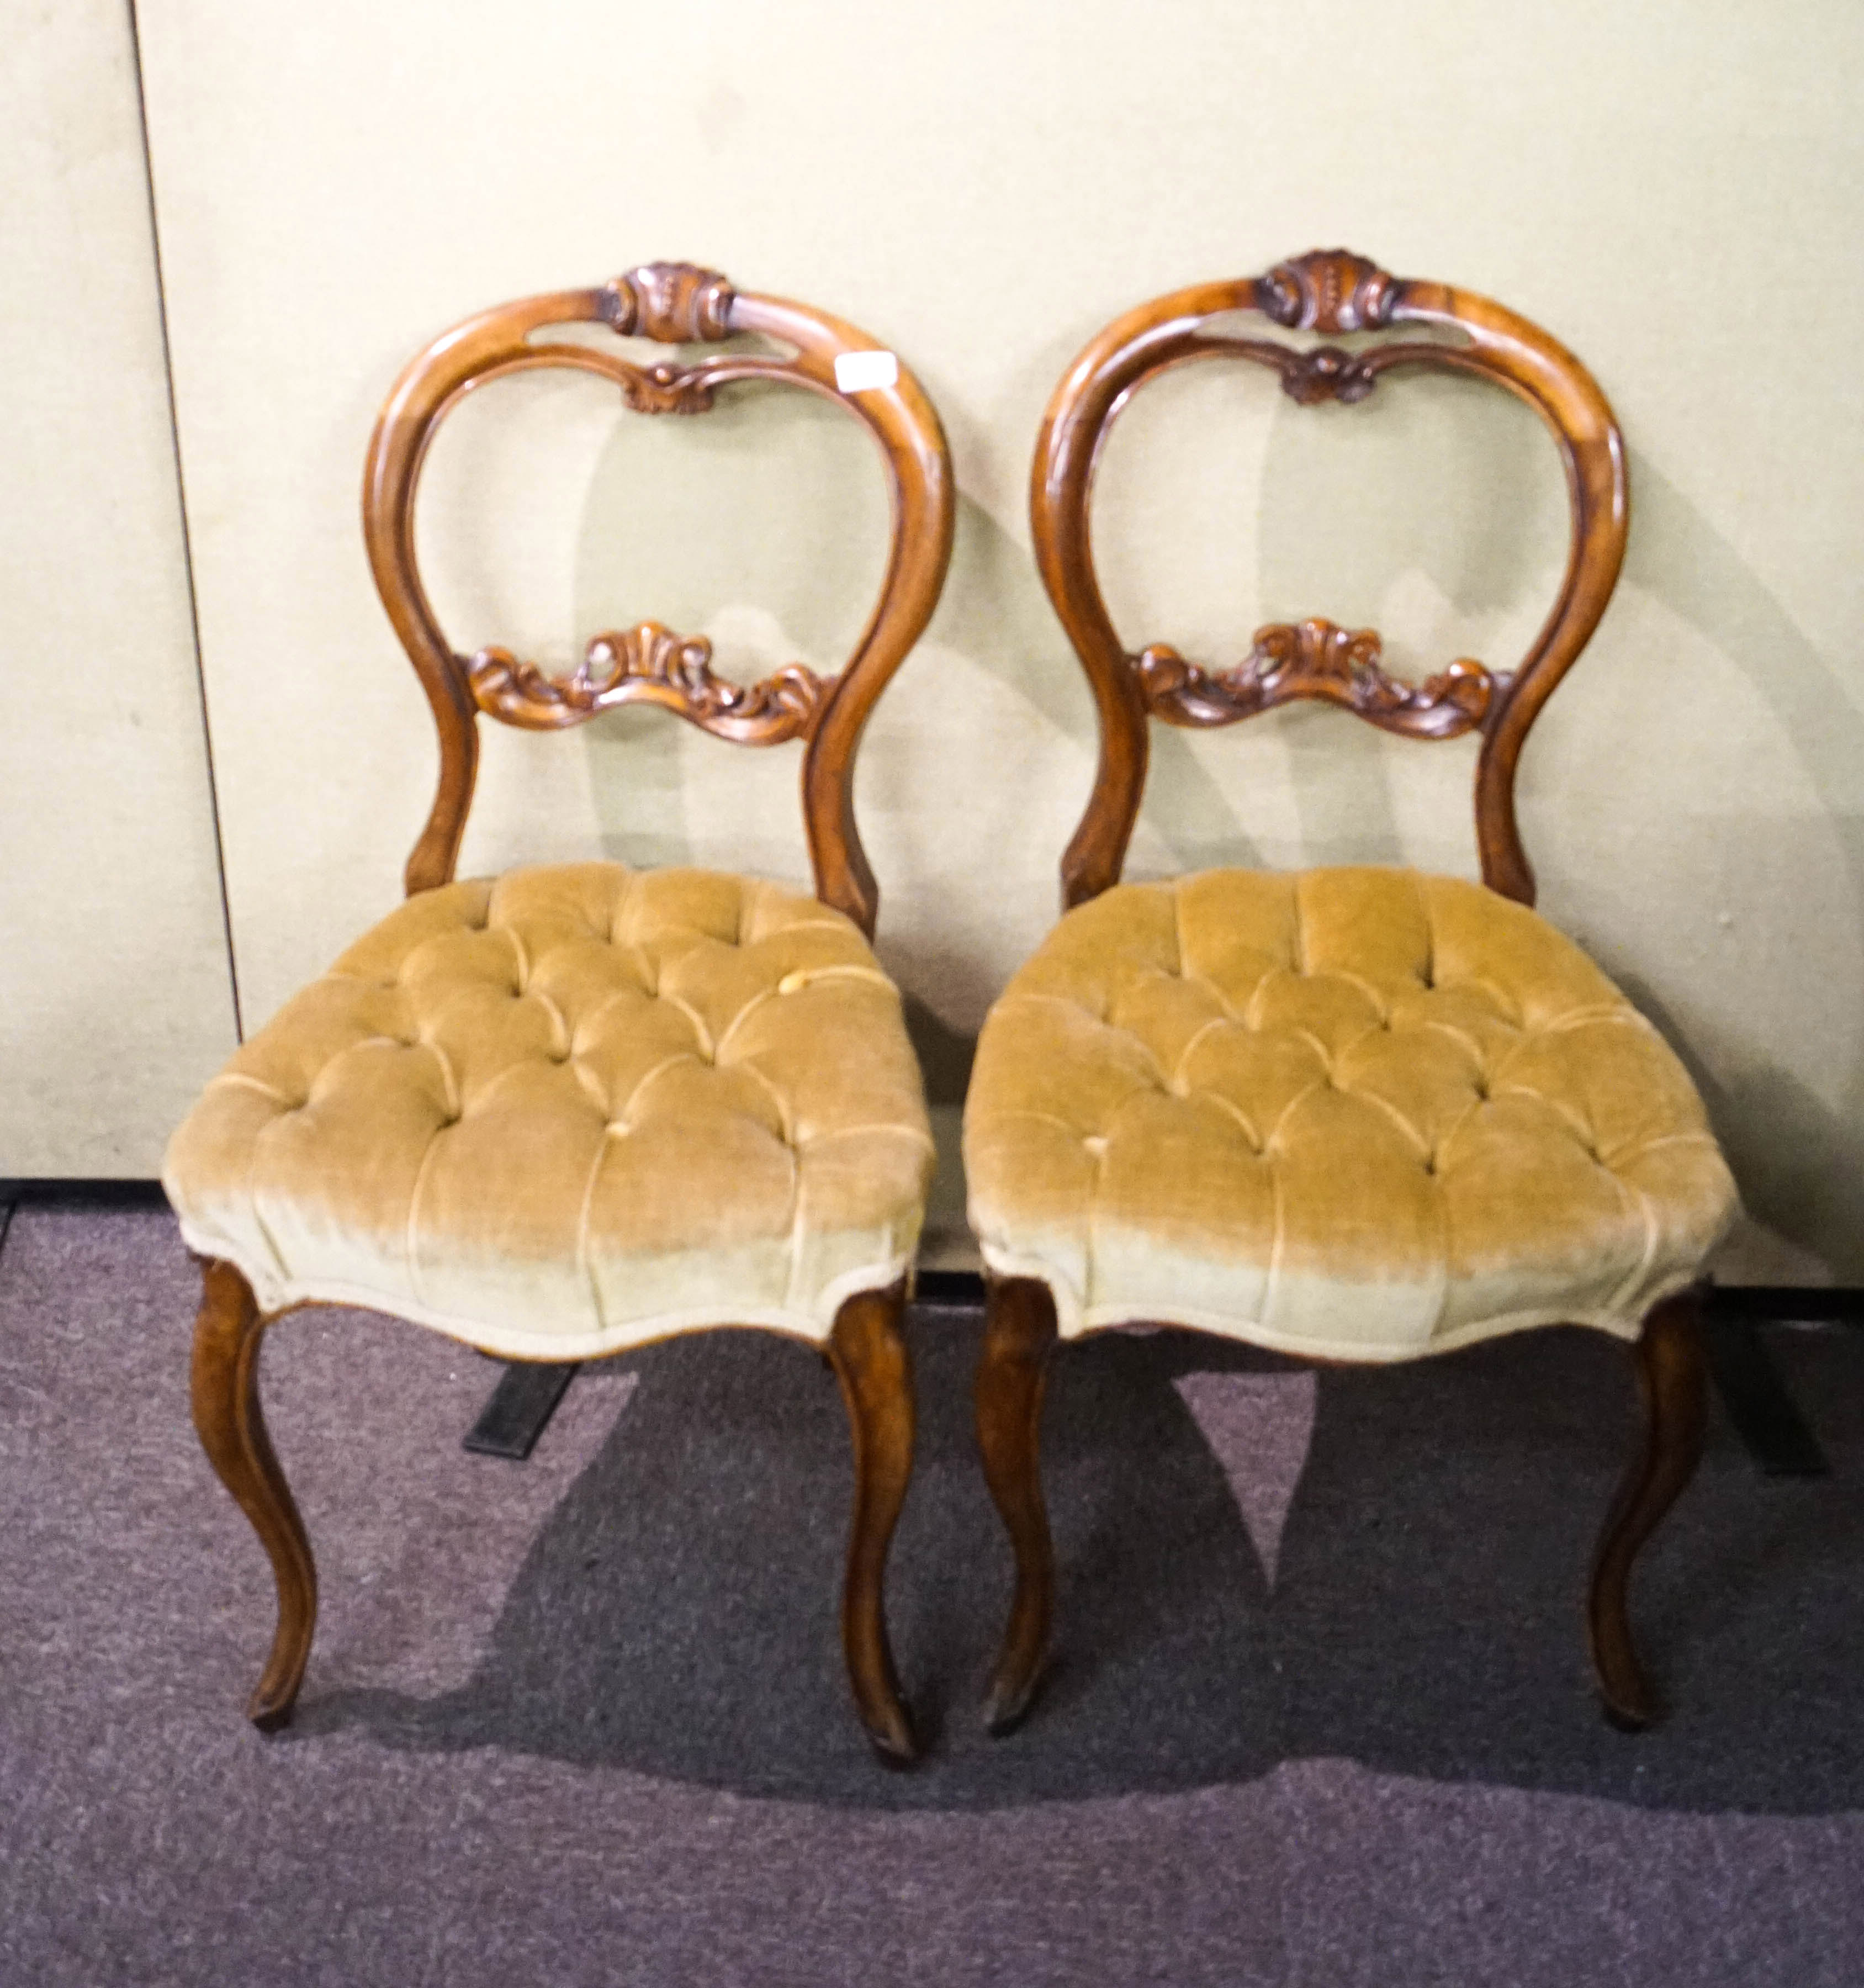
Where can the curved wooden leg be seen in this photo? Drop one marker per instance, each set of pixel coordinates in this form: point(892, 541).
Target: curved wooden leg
point(1673, 1380)
point(871, 1362)
point(232, 1431)
point(1018, 1333)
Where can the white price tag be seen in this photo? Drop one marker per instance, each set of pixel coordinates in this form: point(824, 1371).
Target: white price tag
point(856, 371)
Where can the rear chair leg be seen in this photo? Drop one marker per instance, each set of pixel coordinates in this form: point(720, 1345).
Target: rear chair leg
point(232, 1431)
point(1019, 1332)
point(1672, 1376)
point(870, 1360)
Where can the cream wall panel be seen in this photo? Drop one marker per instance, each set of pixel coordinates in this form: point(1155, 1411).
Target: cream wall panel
point(115, 980)
point(985, 186)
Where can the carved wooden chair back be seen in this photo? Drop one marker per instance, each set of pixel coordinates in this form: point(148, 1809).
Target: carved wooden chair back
point(676, 304)
point(1334, 292)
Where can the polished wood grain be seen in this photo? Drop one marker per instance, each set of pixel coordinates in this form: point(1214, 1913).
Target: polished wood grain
point(1334, 292)
point(1672, 1383)
point(232, 1431)
point(1290, 661)
point(1019, 1335)
point(870, 1360)
point(677, 303)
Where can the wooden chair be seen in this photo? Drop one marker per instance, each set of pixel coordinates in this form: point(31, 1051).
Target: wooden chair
point(566, 1111)
point(1355, 1115)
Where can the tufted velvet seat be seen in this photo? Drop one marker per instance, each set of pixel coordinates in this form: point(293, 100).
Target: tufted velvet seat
point(1358, 1114)
point(570, 1110)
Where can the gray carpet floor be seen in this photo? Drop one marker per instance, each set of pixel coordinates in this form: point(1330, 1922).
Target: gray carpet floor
point(1321, 1714)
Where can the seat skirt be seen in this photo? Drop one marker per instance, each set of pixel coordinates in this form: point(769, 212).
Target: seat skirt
point(1358, 1114)
point(571, 1110)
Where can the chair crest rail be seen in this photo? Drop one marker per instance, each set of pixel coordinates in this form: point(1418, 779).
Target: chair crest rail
point(1335, 293)
point(674, 303)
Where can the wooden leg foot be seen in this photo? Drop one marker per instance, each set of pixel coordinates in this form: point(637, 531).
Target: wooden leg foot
point(232, 1431)
point(870, 1358)
point(1672, 1381)
point(1019, 1330)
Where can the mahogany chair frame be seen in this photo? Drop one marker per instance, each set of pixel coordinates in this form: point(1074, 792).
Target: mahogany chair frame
point(675, 304)
point(1333, 292)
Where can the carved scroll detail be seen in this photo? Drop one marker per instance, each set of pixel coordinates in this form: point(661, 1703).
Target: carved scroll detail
point(649, 664)
point(679, 303)
point(667, 389)
point(1317, 659)
point(1329, 290)
point(1326, 373)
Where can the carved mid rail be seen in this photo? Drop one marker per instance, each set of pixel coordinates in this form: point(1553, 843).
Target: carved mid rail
point(649, 664)
point(1316, 659)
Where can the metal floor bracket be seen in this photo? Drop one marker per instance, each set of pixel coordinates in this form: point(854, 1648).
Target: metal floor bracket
point(1765, 1416)
point(519, 1408)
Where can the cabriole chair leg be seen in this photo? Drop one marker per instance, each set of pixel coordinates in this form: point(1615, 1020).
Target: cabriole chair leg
point(1019, 1333)
point(1672, 1375)
point(232, 1431)
point(868, 1355)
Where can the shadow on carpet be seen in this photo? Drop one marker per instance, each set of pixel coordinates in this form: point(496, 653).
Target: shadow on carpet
point(675, 1614)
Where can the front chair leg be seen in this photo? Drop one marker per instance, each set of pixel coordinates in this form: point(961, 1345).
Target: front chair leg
point(870, 1360)
point(1019, 1332)
point(232, 1431)
point(1673, 1380)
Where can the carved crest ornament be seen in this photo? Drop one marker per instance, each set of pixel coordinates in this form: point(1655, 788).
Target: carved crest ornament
point(649, 664)
point(1316, 659)
point(1332, 291)
point(1329, 290)
point(678, 303)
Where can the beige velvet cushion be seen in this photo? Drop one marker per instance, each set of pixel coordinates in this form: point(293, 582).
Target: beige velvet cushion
point(1360, 1113)
point(571, 1110)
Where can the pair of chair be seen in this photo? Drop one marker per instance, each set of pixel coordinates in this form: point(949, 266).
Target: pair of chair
point(1358, 1114)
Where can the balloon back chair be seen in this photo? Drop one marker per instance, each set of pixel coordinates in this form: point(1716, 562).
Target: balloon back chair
point(1361, 1114)
point(565, 1111)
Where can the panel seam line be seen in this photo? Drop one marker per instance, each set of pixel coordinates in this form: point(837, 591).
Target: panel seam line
point(187, 547)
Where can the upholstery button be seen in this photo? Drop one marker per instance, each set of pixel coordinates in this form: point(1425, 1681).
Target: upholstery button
point(790, 981)
point(1096, 1144)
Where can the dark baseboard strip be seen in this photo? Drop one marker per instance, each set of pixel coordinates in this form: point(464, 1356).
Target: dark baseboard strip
point(949, 1287)
point(92, 1193)
point(519, 1408)
point(1791, 1304)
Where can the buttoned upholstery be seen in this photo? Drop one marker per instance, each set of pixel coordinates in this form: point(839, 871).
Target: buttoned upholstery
point(571, 1110)
point(1358, 1113)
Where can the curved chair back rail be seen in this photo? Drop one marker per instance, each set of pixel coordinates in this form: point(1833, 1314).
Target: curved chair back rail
point(1334, 292)
point(675, 303)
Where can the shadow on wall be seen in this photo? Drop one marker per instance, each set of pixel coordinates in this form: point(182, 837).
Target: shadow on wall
point(794, 557)
point(1435, 476)
point(777, 499)
point(1799, 1158)
point(1338, 521)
